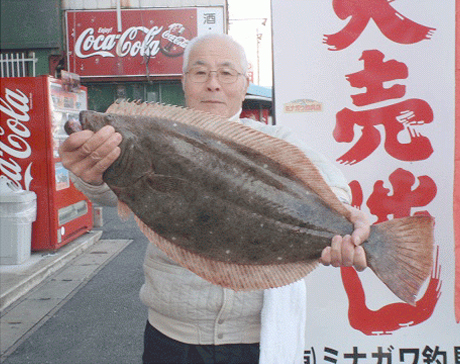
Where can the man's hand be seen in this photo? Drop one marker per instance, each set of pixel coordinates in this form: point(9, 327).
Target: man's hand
point(346, 251)
point(87, 154)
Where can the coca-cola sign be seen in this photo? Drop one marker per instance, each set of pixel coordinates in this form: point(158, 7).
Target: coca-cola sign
point(151, 41)
point(15, 147)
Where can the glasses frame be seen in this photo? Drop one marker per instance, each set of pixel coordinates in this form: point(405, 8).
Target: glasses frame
point(217, 75)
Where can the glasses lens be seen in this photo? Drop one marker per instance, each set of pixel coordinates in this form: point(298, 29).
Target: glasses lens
point(227, 75)
point(224, 75)
point(199, 74)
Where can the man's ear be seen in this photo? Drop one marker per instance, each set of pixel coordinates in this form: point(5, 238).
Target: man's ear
point(183, 82)
point(246, 86)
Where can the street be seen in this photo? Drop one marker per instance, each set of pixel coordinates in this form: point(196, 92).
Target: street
point(102, 320)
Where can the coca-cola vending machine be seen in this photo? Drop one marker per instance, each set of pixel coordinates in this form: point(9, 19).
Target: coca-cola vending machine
point(33, 113)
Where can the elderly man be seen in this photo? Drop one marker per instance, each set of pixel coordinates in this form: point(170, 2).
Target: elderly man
point(191, 320)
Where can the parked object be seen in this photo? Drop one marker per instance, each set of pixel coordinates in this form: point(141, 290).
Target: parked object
point(18, 210)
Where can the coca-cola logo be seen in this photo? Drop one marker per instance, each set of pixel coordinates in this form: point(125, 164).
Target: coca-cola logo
point(14, 133)
point(134, 41)
point(174, 40)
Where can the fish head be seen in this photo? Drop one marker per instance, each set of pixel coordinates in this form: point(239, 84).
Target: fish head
point(88, 120)
point(94, 121)
point(122, 170)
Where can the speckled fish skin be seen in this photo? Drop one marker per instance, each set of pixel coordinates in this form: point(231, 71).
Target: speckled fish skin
point(215, 198)
point(220, 203)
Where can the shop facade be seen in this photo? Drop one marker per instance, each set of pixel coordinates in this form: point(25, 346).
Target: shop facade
point(117, 48)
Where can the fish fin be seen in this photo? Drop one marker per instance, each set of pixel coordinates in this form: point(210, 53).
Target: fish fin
point(400, 252)
point(282, 152)
point(239, 277)
point(124, 212)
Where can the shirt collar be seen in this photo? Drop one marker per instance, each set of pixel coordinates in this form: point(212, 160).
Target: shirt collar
point(236, 117)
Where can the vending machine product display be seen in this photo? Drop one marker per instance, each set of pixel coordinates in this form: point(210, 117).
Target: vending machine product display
point(33, 113)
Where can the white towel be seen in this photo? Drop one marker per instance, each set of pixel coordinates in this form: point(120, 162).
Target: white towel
point(283, 321)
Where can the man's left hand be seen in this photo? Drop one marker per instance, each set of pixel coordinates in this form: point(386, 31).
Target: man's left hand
point(346, 251)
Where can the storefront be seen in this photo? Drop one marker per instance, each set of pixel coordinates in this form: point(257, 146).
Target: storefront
point(135, 54)
point(258, 104)
point(119, 49)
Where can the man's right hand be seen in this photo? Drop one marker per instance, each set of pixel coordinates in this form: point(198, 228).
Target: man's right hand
point(87, 154)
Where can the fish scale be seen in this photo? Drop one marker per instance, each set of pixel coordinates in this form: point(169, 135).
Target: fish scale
point(240, 208)
point(234, 214)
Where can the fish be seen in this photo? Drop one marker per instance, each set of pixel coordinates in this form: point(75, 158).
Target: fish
point(240, 208)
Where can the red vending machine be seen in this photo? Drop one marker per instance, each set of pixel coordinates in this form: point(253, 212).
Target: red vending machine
point(33, 113)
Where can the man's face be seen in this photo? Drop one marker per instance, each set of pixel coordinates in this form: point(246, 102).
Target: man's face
point(213, 96)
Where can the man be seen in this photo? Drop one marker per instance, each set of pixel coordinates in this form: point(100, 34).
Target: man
point(191, 320)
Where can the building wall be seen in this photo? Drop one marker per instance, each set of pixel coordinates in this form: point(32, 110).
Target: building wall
point(30, 24)
point(31, 29)
point(102, 94)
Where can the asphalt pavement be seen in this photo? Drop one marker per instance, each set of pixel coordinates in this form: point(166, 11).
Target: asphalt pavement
point(86, 312)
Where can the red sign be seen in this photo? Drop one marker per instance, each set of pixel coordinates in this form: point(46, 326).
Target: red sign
point(151, 41)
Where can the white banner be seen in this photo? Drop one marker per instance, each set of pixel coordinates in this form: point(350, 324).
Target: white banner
point(371, 84)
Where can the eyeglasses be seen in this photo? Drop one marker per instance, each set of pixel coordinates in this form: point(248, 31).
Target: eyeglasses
point(224, 75)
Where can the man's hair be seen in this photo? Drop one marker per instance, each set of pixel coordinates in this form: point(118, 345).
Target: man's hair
point(197, 40)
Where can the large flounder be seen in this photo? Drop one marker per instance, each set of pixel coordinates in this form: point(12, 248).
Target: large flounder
point(239, 208)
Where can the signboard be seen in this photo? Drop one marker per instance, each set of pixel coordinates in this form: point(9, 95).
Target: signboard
point(151, 41)
point(371, 84)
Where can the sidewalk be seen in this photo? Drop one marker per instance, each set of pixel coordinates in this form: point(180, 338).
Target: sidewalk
point(33, 292)
point(17, 280)
point(37, 295)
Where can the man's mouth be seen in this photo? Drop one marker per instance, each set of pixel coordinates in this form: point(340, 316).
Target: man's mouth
point(212, 102)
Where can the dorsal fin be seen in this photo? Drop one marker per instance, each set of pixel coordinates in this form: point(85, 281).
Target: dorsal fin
point(282, 152)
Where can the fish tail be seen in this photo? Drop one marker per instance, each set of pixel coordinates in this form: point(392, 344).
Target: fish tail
point(400, 252)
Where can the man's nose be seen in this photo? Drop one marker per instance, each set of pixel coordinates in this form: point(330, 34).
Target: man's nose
point(213, 81)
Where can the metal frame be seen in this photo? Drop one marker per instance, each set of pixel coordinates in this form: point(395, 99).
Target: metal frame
point(17, 64)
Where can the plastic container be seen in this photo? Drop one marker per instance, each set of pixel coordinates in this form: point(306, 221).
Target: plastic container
point(98, 220)
point(18, 210)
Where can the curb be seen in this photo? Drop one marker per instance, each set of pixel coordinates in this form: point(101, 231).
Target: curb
point(43, 268)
